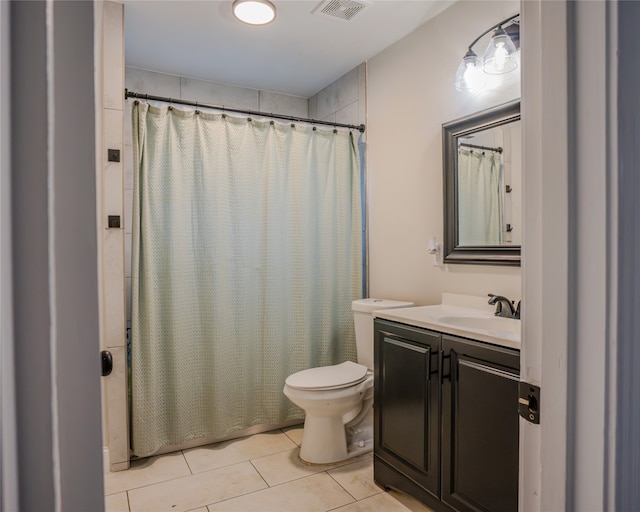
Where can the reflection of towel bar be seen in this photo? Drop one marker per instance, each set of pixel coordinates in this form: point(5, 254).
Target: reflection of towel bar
point(475, 146)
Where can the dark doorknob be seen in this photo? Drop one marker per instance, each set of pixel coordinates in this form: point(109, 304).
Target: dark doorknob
point(107, 362)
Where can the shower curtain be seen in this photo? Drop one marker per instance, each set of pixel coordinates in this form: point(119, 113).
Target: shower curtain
point(246, 255)
point(480, 200)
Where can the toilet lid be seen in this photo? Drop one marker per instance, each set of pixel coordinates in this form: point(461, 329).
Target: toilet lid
point(328, 377)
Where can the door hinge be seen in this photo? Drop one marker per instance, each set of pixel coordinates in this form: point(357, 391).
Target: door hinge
point(529, 402)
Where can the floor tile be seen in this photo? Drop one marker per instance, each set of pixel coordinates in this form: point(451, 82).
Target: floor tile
point(286, 466)
point(295, 433)
point(316, 493)
point(190, 492)
point(378, 503)
point(218, 455)
point(116, 503)
point(146, 472)
point(356, 478)
point(409, 502)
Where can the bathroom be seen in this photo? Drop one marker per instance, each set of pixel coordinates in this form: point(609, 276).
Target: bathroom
point(416, 180)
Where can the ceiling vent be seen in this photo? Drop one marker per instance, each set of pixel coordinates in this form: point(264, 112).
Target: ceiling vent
point(343, 10)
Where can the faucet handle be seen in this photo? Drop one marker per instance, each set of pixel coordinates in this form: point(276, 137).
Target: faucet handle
point(504, 306)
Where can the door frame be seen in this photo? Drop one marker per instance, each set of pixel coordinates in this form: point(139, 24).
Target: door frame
point(570, 244)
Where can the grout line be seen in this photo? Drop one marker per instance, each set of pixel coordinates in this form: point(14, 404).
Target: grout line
point(341, 486)
point(271, 487)
point(187, 461)
point(291, 438)
point(258, 471)
point(239, 495)
point(226, 465)
point(263, 479)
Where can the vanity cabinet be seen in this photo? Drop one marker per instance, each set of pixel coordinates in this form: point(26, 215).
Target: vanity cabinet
point(479, 426)
point(446, 419)
point(407, 402)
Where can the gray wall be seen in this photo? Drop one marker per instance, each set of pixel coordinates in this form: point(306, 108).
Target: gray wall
point(627, 450)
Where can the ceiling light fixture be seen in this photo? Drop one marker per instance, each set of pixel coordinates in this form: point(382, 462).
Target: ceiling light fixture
point(499, 57)
point(254, 12)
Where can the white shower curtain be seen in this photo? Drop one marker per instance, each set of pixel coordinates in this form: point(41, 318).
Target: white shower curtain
point(246, 255)
point(480, 203)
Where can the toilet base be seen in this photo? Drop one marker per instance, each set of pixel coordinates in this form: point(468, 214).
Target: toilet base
point(328, 441)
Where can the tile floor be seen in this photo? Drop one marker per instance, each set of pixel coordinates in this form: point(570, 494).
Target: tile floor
point(256, 473)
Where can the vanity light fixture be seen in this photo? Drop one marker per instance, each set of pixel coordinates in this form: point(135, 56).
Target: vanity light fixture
point(499, 57)
point(254, 12)
point(469, 76)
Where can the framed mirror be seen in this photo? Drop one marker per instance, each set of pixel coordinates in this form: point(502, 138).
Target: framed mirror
point(483, 187)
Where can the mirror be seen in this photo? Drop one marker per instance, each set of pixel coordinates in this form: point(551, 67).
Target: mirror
point(483, 187)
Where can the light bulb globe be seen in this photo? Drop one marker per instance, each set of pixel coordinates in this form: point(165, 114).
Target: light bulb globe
point(499, 57)
point(469, 73)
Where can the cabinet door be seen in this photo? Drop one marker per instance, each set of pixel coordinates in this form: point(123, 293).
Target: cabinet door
point(480, 426)
point(406, 402)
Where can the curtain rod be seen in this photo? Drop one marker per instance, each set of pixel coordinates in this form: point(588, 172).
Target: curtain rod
point(475, 146)
point(130, 94)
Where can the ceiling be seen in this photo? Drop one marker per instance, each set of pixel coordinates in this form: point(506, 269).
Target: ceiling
point(299, 53)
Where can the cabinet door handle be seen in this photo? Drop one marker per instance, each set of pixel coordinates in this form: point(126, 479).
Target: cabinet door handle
point(445, 374)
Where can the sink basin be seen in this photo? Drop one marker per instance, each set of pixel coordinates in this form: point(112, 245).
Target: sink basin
point(483, 323)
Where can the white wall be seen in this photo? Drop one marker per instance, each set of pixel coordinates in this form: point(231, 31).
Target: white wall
point(410, 93)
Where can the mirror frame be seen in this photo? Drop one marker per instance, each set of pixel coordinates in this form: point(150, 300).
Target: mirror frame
point(473, 254)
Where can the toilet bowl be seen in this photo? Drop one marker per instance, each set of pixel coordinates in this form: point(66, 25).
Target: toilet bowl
point(338, 399)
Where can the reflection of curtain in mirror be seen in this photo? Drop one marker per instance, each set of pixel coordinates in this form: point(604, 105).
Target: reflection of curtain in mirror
point(480, 204)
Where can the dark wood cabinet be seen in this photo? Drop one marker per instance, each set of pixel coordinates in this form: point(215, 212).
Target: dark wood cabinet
point(407, 402)
point(446, 419)
point(479, 426)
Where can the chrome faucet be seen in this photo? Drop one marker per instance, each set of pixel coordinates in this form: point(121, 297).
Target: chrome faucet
point(504, 306)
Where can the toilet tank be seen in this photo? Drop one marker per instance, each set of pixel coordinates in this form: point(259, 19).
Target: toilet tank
point(363, 319)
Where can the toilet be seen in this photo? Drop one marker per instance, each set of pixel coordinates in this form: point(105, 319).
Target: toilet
point(338, 399)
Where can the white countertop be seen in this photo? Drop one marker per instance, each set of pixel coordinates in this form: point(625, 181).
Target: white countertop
point(452, 318)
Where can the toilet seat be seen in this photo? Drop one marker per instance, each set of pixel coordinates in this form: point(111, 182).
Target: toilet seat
point(337, 376)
